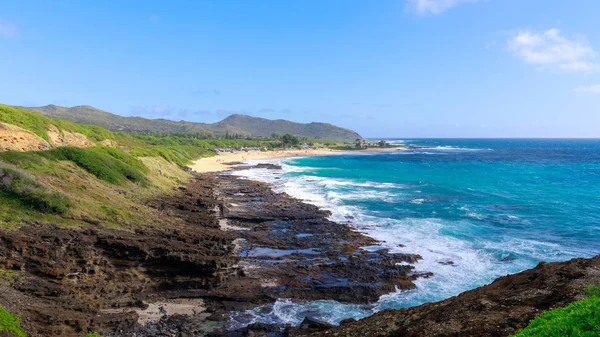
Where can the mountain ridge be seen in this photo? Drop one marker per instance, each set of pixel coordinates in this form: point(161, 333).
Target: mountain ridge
point(243, 125)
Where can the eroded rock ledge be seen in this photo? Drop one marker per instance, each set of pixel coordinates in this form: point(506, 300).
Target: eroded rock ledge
point(230, 245)
point(498, 309)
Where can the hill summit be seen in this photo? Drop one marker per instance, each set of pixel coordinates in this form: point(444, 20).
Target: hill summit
point(235, 124)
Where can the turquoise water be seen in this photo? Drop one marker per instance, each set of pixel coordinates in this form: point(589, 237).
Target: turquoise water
point(492, 207)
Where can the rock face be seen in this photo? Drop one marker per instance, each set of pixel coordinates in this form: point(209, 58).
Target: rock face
point(58, 138)
point(498, 309)
point(14, 138)
point(73, 281)
point(231, 244)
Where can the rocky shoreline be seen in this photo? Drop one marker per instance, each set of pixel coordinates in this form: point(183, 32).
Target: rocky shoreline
point(230, 245)
point(224, 245)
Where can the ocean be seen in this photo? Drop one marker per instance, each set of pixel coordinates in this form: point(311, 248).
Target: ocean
point(474, 209)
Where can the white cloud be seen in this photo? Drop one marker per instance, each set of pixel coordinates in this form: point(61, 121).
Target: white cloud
point(549, 49)
point(8, 29)
point(434, 7)
point(593, 89)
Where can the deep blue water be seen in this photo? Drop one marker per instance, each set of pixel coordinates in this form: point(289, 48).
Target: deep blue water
point(492, 207)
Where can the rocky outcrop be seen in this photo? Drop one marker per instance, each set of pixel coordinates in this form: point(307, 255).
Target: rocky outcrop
point(71, 281)
point(65, 138)
point(232, 244)
point(14, 138)
point(498, 309)
point(224, 244)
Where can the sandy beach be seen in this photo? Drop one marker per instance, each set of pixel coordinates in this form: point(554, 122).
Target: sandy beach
point(221, 161)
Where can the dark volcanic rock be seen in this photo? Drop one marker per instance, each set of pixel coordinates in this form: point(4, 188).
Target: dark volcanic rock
point(233, 243)
point(312, 325)
point(291, 250)
point(498, 309)
point(72, 281)
point(242, 166)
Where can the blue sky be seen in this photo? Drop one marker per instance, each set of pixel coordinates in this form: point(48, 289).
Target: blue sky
point(401, 68)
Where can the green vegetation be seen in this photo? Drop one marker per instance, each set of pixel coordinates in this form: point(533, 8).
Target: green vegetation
point(289, 140)
point(111, 165)
point(71, 186)
point(39, 124)
point(240, 125)
point(92, 335)
point(593, 290)
point(11, 323)
point(581, 319)
point(108, 164)
point(261, 127)
point(182, 150)
point(92, 132)
point(32, 121)
point(16, 182)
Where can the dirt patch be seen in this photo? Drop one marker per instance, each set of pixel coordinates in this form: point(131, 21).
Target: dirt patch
point(107, 143)
point(14, 138)
point(63, 138)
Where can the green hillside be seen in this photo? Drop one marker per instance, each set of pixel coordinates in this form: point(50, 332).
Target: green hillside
point(235, 124)
point(40, 124)
point(100, 182)
point(265, 127)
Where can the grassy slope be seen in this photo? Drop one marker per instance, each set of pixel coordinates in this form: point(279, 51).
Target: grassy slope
point(100, 185)
point(39, 124)
point(94, 199)
point(103, 185)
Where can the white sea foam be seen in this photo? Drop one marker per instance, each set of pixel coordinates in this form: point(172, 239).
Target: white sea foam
point(473, 263)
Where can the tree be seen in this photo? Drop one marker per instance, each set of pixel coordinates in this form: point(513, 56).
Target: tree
point(358, 143)
point(382, 143)
point(289, 140)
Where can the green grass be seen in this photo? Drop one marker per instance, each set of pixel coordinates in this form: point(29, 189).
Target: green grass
point(110, 165)
point(11, 323)
point(593, 290)
point(32, 121)
point(581, 319)
point(92, 335)
point(24, 187)
point(94, 133)
point(39, 124)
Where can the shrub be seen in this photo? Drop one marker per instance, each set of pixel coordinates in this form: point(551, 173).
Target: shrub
point(20, 184)
point(122, 156)
point(581, 318)
point(101, 163)
point(11, 323)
